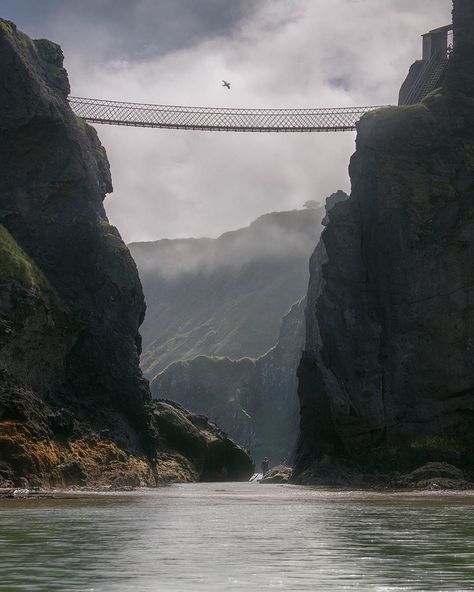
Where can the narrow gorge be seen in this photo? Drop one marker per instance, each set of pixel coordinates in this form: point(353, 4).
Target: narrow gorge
point(224, 328)
point(254, 398)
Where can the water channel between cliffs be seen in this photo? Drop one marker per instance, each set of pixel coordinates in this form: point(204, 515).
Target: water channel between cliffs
point(232, 537)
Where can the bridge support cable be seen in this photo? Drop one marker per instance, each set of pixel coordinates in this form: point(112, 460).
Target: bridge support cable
point(218, 119)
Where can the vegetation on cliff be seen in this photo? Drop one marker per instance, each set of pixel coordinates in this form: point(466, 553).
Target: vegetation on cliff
point(15, 265)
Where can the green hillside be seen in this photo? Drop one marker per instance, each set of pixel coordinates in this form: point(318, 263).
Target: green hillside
point(226, 296)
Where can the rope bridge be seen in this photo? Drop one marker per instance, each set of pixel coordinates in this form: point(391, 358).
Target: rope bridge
point(341, 119)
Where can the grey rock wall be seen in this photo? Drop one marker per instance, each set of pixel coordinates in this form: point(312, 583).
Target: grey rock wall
point(387, 376)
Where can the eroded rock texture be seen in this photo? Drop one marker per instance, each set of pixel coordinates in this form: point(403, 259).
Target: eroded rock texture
point(387, 376)
point(74, 407)
point(200, 450)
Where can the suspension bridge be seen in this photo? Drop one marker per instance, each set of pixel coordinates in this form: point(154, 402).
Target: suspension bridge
point(436, 54)
point(218, 119)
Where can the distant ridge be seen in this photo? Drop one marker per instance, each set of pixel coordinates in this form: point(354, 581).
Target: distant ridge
point(224, 296)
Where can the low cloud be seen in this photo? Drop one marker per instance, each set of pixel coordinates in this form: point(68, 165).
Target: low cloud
point(286, 237)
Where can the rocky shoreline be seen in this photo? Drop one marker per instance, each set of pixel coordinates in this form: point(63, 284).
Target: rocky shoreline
point(432, 476)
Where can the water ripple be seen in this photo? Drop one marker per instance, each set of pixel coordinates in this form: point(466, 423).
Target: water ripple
point(238, 537)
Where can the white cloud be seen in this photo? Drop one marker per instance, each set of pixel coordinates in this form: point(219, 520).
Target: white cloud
point(289, 53)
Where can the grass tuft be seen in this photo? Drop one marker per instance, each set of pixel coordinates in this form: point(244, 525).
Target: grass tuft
point(6, 26)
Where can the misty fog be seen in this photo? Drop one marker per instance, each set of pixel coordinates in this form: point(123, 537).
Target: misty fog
point(272, 236)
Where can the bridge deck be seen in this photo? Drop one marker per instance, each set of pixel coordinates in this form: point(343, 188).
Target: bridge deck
point(218, 119)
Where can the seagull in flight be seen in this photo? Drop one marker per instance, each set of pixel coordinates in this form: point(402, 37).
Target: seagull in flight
point(226, 84)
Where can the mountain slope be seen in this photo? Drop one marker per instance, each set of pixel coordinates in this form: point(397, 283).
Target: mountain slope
point(224, 296)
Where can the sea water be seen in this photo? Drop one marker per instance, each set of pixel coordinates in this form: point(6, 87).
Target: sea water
point(238, 537)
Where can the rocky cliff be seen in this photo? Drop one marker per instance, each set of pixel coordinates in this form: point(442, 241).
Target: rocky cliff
point(255, 401)
point(74, 407)
point(387, 376)
point(225, 296)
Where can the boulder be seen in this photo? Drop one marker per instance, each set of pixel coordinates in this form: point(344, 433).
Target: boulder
point(435, 475)
point(279, 474)
point(213, 455)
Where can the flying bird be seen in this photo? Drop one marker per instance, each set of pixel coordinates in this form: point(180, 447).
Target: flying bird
point(226, 84)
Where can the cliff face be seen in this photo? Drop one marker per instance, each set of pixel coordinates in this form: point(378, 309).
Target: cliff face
point(74, 407)
point(224, 296)
point(387, 376)
point(255, 401)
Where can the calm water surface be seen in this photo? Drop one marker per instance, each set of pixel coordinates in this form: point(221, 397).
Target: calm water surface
point(236, 537)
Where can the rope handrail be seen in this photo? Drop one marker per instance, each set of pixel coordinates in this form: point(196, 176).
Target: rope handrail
point(320, 119)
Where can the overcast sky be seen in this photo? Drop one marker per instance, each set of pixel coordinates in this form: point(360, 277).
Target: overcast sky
point(276, 53)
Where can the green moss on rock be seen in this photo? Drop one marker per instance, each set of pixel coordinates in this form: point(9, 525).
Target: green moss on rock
point(100, 151)
point(81, 122)
point(16, 265)
point(6, 26)
point(25, 39)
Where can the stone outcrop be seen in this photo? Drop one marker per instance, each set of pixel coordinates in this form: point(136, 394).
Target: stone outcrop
point(197, 447)
point(433, 476)
point(387, 376)
point(278, 474)
point(74, 407)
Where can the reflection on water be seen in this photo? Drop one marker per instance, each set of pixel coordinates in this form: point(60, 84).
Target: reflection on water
point(237, 537)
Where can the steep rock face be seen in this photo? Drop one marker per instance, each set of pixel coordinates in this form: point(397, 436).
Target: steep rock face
point(71, 301)
point(74, 407)
point(255, 401)
point(225, 296)
point(387, 376)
